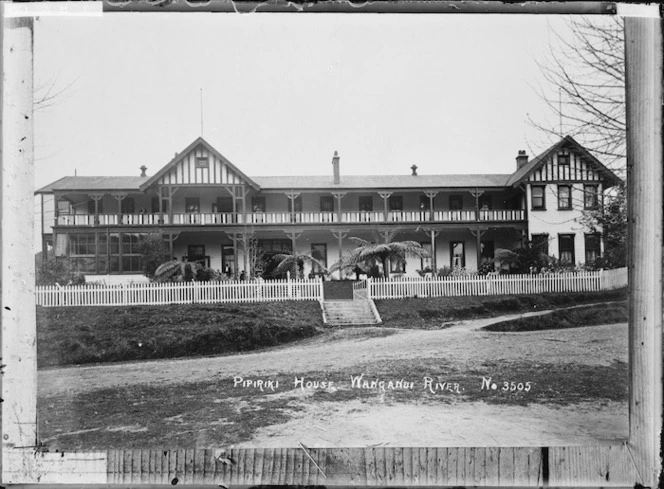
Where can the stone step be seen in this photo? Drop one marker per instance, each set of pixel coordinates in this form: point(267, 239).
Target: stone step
point(349, 312)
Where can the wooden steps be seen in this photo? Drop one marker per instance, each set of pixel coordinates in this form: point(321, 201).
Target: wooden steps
point(349, 312)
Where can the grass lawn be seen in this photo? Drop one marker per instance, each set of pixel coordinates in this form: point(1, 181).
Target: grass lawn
point(212, 413)
point(566, 318)
point(80, 335)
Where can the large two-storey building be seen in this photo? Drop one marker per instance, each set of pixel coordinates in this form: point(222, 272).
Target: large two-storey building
point(205, 208)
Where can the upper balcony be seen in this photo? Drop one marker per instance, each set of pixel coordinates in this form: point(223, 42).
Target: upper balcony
point(289, 218)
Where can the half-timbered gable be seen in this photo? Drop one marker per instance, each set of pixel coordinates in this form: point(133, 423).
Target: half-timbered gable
point(199, 165)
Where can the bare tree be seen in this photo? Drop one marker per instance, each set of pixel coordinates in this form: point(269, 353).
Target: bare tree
point(584, 88)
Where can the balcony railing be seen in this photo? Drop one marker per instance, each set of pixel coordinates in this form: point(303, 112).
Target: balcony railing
point(267, 218)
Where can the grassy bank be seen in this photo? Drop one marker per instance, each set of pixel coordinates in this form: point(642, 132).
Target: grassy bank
point(431, 312)
point(77, 335)
point(566, 318)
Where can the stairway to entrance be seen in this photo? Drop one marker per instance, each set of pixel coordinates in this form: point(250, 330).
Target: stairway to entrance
point(349, 312)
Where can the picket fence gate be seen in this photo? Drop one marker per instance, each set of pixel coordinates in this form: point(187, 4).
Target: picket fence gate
point(179, 293)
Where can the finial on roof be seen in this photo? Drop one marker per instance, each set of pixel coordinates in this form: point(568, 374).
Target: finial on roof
point(143, 168)
point(414, 168)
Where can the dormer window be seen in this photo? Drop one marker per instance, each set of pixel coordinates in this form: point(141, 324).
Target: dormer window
point(202, 162)
point(563, 159)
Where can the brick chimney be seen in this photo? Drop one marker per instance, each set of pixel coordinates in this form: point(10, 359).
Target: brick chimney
point(335, 167)
point(143, 168)
point(414, 169)
point(521, 159)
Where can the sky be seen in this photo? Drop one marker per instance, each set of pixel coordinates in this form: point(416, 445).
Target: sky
point(282, 92)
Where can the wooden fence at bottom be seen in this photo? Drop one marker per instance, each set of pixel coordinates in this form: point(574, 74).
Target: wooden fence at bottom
point(179, 293)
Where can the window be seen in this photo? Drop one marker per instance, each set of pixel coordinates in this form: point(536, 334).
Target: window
point(457, 254)
point(275, 245)
point(456, 202)
point(563, 159)
point(91, 206)
point(155, 205)
point(366, 203)
point(566, 249)
point(396, 203)
point(590, 196)
point(127, 205)
point(258, 204)
point(540, 242)
point(397, 265)
point(64, 207)
point(297, 202)
point(486, 251)
point(425, 203)
point(202, 162)
point(484, 202)
point(223, 204)
point(327, 203)
point(537, 197)
point(192, 204)
point(426, 262)
point(592, 245)
point(227, 260)
point(319, 252)
point(564, 197)
point(132, 259)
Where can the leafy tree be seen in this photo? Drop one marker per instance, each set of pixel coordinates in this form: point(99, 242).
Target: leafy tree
point(294, 263)
point(525, 259)
point(382, 251)
point(610, 219)
point(154, 251)
point(584, 76)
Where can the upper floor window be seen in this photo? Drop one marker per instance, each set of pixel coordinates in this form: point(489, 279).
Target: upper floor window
point(295, 205)
point(425, 203)
point(327, 203)
point(366, 203)
point(127, 205)
point(223, 204)
point(64, 207)
point(396, 203)
point(563, 159)
point(91, 206)
point(258, 204)
point(202, 162)
point(456, 202)
point(192, 204)
point(537, 197)
point(484, 202)
point(590, 196)
point(564, 197)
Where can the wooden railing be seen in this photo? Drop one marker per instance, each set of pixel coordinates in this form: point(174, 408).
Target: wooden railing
point(179, 293)
point(258, 218)
point(495, 284)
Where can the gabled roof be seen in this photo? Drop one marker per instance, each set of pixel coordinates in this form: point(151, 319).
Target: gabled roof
point(567, 142)
point(324, 182)
point(199, 141)
point(114, 184)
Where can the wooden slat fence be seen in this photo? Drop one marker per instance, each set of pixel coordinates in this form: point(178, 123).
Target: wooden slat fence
point(495, 284)
point(179, 293)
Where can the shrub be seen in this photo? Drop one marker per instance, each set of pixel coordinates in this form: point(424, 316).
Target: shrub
point(59, 271)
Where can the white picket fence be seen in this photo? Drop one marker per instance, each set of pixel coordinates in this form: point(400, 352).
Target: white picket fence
point(179, 293)
point(495, 284)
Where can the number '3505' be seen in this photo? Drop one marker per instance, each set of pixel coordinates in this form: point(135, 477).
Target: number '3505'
point(514, 386)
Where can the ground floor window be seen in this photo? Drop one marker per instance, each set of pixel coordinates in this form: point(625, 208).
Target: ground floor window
point(104, 253)
point(397, 265)
point(566, 248)
point(457, 254)
point(426, 262)
point(592, 245)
